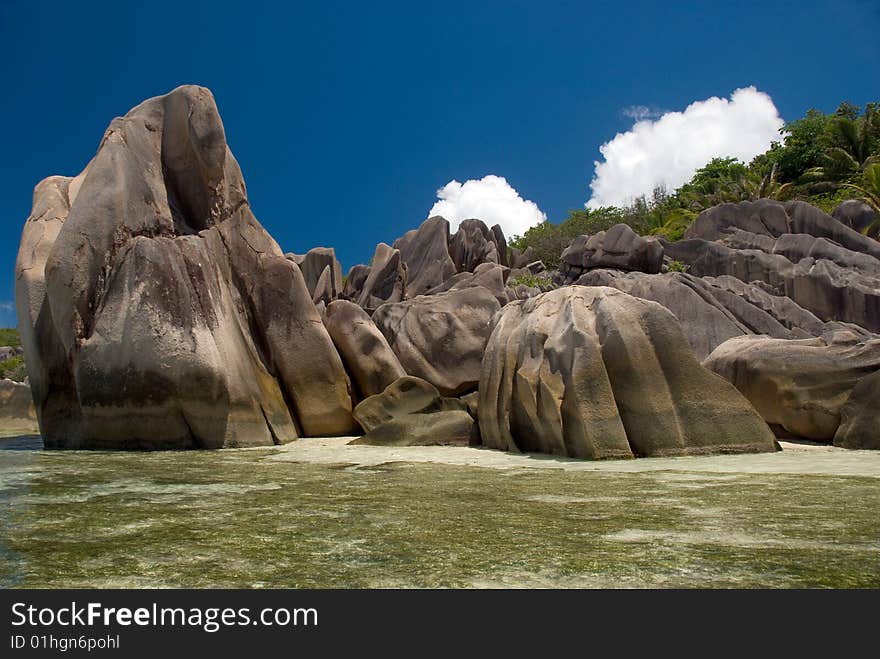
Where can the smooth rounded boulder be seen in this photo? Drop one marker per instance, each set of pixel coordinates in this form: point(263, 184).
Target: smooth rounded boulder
point(801, 385)
point(591, 372)
point(367, 356)
point(441, 338)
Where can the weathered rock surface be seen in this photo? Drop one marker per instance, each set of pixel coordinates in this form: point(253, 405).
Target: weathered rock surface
point(156, 312)
point(354, 282)
point(321, 271)
point(858, 216)
point(619, 248)
point(441, 338)
point(411, 412)
point(425, 251)
point(16, 404)
point(773, 218)
point(860, 416)
point(706, 320)
point(475, 244)
point(803, 385)
point(592, 372)
point(792, 250)
point(365, 352)
point(488, 275)
point(385, 281)
point(714, 309)
point(452, 428)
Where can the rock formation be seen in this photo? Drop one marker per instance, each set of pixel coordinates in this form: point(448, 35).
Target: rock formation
point(411, 412)
point(441, 338)
point(792, 250)
point(321, 271)
point(619, 248)
point(365, 351)
point(156, 312)
point(591, 372)
point(803, 385)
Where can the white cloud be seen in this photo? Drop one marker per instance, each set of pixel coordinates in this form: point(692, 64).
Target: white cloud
point(641, 112)
point(668, 150)
point(490, 199)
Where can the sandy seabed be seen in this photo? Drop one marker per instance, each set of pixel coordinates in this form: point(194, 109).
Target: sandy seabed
point(794, 458)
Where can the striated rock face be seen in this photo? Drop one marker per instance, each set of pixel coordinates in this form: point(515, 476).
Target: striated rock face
point(714, 309)
point(156, 312)
point(619, 248)
point(411, 412)
point(804, 385)
point(441, 338)
point(792, 250)
point(591, 372)
point(364, 350)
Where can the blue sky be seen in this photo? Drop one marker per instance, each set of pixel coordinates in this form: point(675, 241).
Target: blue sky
point(347, 119)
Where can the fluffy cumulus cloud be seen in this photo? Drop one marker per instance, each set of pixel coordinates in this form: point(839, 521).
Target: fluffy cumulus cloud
point(668, 150)
point(491, 199)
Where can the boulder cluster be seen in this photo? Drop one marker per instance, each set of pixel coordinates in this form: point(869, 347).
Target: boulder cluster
point(156, 312)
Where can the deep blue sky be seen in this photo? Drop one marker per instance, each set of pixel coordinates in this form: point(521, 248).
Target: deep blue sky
point(346, 118)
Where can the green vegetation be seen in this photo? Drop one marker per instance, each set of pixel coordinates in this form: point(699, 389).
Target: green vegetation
point(12, 368)
point(822, 159)
point(530, 280)
point(9, 337)
point(677, 266)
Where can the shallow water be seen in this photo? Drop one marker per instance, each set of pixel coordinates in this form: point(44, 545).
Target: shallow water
point(319, 514)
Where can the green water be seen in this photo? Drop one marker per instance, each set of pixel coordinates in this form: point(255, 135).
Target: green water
point(248, 519)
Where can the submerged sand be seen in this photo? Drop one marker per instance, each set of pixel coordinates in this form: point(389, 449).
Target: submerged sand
point(794, 458)
point(319, 513)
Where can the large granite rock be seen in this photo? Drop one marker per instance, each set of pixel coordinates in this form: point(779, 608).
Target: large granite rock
point(490, 276)
point(858, 216)
point(619, 248)
point(714, 309)
point(425, 251)
point(156, 312)
point(803, 385)
point(321, 271)
point(367, 356)
point(860, 416)
point(591, 372)
point(706, 320)
point(385, 280)
point(441, 338)
point(411, 412)
point(476, 244)
point(773, 218)
point(822, 286)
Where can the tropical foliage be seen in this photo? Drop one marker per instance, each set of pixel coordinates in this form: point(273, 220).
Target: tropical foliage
point(821, 158)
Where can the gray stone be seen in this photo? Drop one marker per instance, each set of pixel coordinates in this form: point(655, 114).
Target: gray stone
point(441, 338)
point(365, 352)
point(591, 372)
point(800, 385)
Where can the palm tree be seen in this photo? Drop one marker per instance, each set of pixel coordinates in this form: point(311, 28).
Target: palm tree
point(767, 187)
point(853, 155)
point(870, 194)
